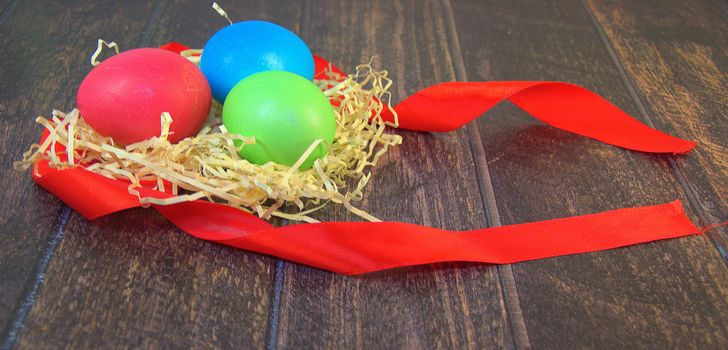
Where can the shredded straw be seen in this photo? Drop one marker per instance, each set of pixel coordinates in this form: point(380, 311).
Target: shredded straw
point(100, 47)
point(221, 12)
point(207, 166)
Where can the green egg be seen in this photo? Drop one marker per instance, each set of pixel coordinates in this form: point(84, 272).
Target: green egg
point(285, 113)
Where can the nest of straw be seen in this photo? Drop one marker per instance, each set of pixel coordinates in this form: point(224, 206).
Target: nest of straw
point(207, 166)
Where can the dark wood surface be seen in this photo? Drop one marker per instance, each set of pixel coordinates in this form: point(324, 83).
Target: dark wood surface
point(638, 296)
point(47, 50)
point(132, 280)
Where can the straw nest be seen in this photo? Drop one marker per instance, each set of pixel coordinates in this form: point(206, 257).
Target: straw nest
point(207, 166)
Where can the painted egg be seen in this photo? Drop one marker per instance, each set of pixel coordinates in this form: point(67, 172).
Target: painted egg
point(125, 95)
point(285, 113)
point(245, 48)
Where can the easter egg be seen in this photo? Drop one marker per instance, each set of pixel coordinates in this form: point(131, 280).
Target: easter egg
point(285, 113)
point(244, 48)
point(125, 95)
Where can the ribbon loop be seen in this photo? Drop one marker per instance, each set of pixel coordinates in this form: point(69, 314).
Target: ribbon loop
point(448, 106)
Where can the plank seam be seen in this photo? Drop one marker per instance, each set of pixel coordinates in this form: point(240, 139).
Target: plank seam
point(485, 185)
point(280, 264)
point(722, 4)
point(152, 22)
point(277, 291)
point(29, 298)
point(7, 10)
point(642, 108)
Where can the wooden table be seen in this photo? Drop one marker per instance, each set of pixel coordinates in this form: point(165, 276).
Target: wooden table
point(133, 280)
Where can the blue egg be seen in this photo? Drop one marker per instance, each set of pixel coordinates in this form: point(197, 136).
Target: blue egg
point(249, 47)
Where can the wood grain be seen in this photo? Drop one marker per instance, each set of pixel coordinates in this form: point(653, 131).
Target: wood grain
point(676, 55)
point(132, 279)
point(441, 306)
point(665, 294)
point(45, 50)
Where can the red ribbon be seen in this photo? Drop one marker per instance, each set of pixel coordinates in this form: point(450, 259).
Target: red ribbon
point(360, 247)
point(448, 106)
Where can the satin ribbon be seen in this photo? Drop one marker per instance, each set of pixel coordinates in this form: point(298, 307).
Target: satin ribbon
point(361, 247)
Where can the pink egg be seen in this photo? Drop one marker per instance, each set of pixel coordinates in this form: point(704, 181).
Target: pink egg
point(125, 95)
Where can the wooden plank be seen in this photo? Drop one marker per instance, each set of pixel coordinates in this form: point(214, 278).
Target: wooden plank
point(132, 279)
point(429, 180)
point(675, 55)
point(45, 52)
point(666, 294)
